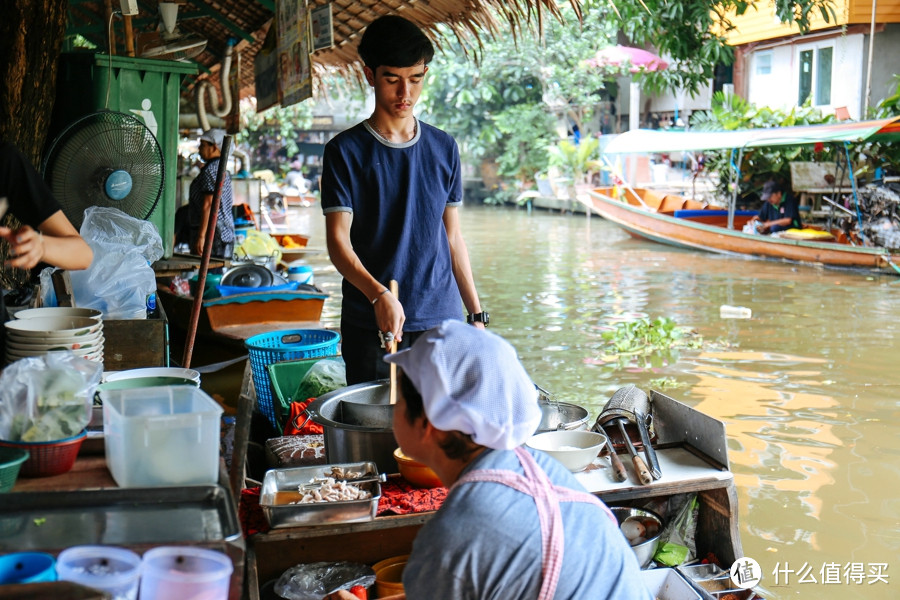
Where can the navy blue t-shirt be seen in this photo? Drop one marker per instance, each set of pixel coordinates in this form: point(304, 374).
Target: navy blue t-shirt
point(397, 194)
point(787, 208)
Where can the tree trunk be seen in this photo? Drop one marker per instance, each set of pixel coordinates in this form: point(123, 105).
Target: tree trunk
point(31, 36)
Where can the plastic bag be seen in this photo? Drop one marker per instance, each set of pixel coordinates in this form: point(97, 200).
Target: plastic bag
point(314, 581)
point(677, 543)
point(47, 398)
point(750, 228)
point(120, 277)
point(325, 376)
point(257, 244)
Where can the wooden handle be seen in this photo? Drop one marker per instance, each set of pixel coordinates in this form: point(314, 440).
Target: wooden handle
point(394, 292)
point(618, 468)
point(641, 469)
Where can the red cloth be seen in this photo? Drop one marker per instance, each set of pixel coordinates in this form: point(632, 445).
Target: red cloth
point(298, 415)
point(398, 497)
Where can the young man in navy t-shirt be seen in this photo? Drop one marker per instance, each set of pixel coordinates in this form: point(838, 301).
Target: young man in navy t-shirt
point(391, 188)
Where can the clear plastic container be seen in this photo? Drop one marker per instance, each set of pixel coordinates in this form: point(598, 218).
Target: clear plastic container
point(107, 568)
point(186, 573)
point(161, 436)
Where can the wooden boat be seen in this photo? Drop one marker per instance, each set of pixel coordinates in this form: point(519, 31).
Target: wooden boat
point(227, 321)
point(675, 220)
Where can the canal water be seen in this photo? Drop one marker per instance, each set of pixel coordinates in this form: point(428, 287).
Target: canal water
point(808, 386)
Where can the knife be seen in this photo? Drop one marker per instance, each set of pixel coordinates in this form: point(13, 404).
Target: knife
point(649, 452)
point(639, 466)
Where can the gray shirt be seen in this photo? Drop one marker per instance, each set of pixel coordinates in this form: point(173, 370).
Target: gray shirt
point(485, 543)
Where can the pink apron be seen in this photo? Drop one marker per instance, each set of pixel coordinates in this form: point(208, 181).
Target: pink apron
point(547, 497)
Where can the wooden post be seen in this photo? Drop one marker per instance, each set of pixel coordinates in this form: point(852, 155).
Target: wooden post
point(129, 36)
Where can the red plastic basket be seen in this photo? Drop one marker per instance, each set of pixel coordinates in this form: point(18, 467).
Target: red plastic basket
point(48, 458)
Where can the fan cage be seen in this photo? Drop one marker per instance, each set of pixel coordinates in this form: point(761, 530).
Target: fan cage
point(89, 150)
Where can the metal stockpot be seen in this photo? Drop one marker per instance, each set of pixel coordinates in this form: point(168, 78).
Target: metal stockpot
point(358, 424)
point(562, 416)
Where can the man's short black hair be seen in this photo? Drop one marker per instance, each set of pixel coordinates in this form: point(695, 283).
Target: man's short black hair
point(395, 42)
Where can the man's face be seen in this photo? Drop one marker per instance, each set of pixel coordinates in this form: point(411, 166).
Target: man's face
point(397, 89)
point(207, 150)
point(775, 198)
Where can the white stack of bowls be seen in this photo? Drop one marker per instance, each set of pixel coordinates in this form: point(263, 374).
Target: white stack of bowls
point(36, 331)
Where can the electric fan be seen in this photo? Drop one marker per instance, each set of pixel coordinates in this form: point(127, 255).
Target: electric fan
point(109, 159)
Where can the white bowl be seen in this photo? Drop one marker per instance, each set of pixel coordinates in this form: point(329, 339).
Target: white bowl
point(58, 311)
point(574, 449)
point(154, 372)
point(80, 344)
point(53, 327)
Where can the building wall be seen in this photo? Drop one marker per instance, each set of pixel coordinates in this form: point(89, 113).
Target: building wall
point(773, 73)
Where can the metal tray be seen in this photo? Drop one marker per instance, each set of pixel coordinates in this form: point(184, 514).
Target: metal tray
point(319, 513)
point(117, 516)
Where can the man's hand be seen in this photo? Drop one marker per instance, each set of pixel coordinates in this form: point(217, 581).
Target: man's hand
point(26, 246)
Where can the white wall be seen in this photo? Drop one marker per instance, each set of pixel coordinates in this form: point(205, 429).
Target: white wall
point(780, 88)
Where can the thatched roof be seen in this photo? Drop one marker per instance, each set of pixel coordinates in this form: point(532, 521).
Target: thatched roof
point(249, 21)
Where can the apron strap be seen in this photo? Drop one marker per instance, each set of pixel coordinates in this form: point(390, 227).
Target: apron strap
point(547, 497)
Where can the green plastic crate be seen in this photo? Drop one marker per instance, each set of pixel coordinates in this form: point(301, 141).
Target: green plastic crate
point(285, 378)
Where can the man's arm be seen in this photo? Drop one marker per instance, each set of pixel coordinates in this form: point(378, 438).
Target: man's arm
point(389, 313)
point(204, 222)
point(462, 268)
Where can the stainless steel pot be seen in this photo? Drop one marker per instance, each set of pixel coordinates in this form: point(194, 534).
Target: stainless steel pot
point(561, 415)
point(346, 442)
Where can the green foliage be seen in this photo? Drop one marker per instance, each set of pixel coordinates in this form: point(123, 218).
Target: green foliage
point(647, 342)
point(470, 99)
point(526, 130)
point(730, 112)
point(573, 160)
point(887, 154)
point(691, 32)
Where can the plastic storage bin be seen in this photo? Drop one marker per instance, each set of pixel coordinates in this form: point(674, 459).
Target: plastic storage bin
point(286, 377)
point(162, 436)
point(277, 346)
point(107, 568)
point(185, 572)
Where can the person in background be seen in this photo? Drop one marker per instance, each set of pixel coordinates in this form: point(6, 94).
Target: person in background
point(391, 188)
point(515, 523)
point(46, 235)
point(777, 213)
point(201, 196)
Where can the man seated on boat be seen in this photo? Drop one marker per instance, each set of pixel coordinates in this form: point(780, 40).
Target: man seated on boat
point(515, 523)
point(778, 212)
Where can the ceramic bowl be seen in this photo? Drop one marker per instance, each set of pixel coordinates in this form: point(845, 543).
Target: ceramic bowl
point(59, 311)
point(416, 473)
point(54, 327)
point(55, 342)
point(84, 352)
point(81, 344)
point(574, 449)
point(154, 372)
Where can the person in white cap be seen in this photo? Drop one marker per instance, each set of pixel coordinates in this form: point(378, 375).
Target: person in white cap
point(516, 523)
point(201, 197)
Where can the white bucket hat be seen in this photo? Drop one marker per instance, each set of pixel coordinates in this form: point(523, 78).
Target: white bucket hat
point(472, 381)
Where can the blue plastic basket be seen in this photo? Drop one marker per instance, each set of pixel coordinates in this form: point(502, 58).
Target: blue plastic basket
point(277, 346)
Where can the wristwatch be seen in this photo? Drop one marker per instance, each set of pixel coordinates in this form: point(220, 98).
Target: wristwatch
point(482, 317)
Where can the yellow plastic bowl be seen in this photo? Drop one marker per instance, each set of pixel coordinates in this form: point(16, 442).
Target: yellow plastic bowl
point(389, 575)
point(415, 472)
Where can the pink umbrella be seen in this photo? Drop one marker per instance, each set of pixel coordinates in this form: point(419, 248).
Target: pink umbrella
point(637, 58)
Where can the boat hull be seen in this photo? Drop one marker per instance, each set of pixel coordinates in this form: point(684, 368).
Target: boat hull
point(711, 234)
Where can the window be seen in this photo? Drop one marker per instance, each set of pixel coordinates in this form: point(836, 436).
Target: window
point(815, 75)
point(764, 63)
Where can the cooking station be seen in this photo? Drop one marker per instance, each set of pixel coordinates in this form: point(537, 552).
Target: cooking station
point(692, 455)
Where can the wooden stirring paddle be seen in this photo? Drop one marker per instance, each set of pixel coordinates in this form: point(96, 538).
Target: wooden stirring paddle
point(393, 348)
